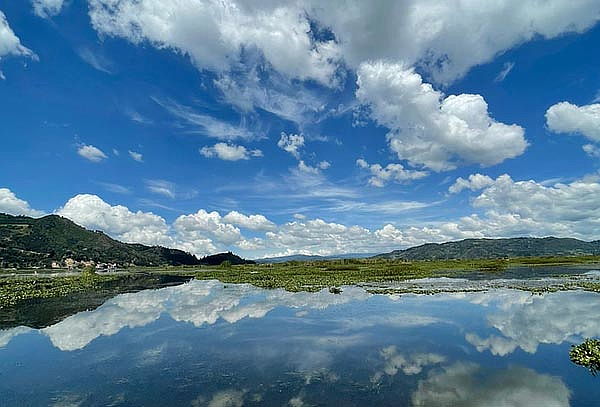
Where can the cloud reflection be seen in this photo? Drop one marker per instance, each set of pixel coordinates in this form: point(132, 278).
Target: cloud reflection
point(525, 321)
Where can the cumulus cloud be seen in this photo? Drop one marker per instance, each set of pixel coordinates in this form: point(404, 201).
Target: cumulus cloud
point(475, 182)
point(118, 221)
point(291, 143)
point(502, 207)
point(425, 33)
point(391, 172)
point(467, 384)
point(10, 204)
point(447, 38)
point(203, 225)
point(229, 152)
point(91, 153)
point(136, 156)
point(565, 117)
point(429, 129)
point(215, 34)
point(253, 222)
point(47, 8)
point(10, 44)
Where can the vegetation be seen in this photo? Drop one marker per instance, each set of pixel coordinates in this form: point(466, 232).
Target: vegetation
point(16, 290)
point(292, 276)
point(219, 259)
point(29, 242)
point(587, 354)
point(497, 249)
point(42, 301)
point(313, 276)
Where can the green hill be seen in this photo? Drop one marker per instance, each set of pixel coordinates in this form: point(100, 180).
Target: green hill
point(497, 248)
point(29, 242)
point(218, 259)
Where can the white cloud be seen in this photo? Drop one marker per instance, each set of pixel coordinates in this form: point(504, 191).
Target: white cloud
point(91, 153)
point(429, 129)
point(291, 143)
point(169, 189)
point(391, 172)
point(506, 69)
point(248, 91)
point(565, 117)
point(500, 207)
point(136, 156)
point(47, 8)
point(10, 204)
point(161, 187)
point(10, 44)
point(118, 221)
point(204, 225)
point(95, 59)
point(475, 182)
point(467, 384)
point(207, 125)
point(307, 169)
point(592, 150)
point(214, 34)
point(229, 152)
point(252, 222)
point(447, 38)
point(115, 188)
point(323, 165)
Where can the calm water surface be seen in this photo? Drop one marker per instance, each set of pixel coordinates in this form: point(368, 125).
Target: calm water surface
point(209, 344)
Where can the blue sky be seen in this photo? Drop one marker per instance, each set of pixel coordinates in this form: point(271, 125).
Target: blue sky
point(275, 128)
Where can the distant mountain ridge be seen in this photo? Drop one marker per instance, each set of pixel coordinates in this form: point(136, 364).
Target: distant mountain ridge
point(497, 248)
point(38, 242)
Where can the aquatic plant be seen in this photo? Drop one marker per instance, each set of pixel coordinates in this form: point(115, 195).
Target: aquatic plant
point(587, 354)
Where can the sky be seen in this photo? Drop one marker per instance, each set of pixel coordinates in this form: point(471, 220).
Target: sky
point(273, 128)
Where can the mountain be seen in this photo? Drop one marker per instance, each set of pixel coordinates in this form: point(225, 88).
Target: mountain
point(217, 259)
point(304, 257)
point(497, 248)
point(29, 242)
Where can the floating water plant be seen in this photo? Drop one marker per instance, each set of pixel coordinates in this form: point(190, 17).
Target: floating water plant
point(587, 355)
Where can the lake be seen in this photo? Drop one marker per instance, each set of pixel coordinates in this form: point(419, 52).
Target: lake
point(205, 343)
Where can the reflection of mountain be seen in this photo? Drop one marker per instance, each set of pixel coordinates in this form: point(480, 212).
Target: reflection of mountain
point(197, 302)
point(468, 385)
point(526, 321)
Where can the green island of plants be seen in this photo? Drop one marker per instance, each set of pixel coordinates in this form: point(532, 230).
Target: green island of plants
point(587, 354)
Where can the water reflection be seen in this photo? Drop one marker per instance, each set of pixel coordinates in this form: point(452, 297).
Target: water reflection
point(525, 321)
point(205, 343)
point(468, 384)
